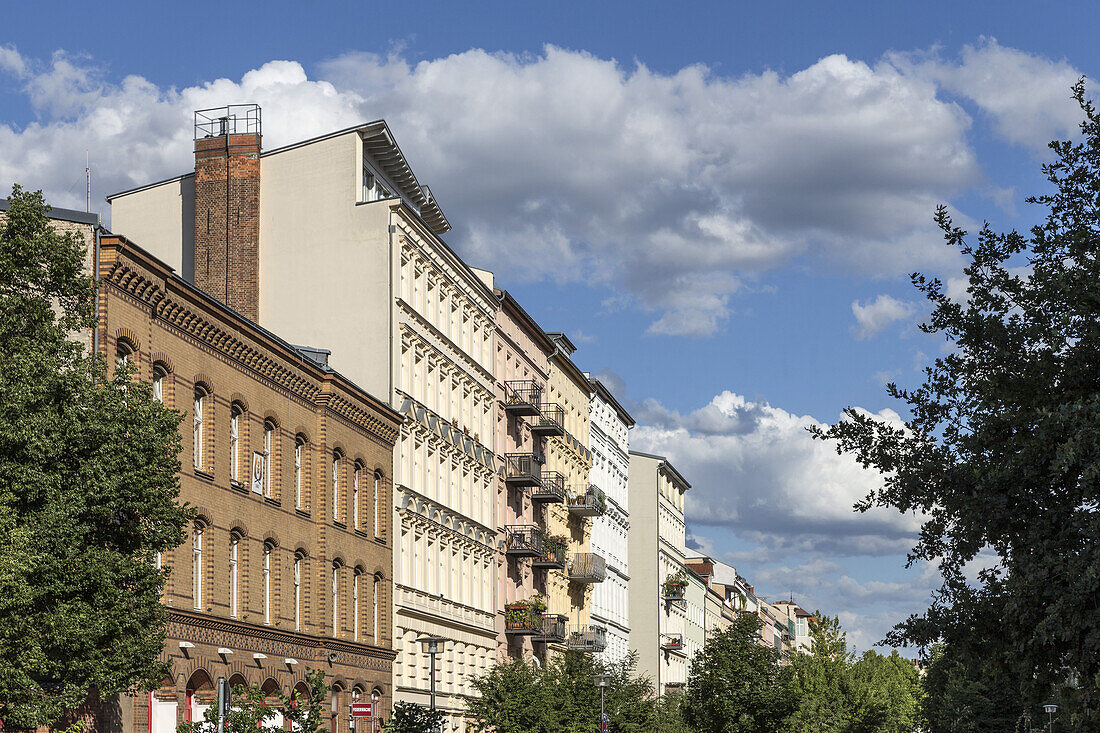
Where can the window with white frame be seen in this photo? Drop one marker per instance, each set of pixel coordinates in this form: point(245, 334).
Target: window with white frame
point(234, 549)
point(196, 565)
point(355, 495)
point(299, 457)
point(298, 591)
point(269, 452)
point(199, 410)
point(160, 374)
point(235, 413)
point(267, 582)
point(336, 456)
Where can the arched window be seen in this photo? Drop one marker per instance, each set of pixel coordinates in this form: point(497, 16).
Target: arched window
point(123, 351)
point(234, 572)
point(355, 604)
point(336, 598)
point(374, 606)
point(196, 565)
point(160, 375)
point(236, 412)
point(200, 408)
point(299, 458)
point(298, 557)
point(269, 454)
point(267, 582)
point(336, 456)
point(377, 504)
point(355, 495)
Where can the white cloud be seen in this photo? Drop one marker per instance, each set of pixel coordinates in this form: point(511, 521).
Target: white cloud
point(756, 471)
point(675, 189)
point(1026, 96)
point(879, 313)
point(672, 188)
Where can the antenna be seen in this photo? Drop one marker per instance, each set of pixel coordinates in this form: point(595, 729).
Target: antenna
point(88, 178)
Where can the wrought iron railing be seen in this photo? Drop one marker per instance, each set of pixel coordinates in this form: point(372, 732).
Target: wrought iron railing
point(587, 567)
point(587, 638)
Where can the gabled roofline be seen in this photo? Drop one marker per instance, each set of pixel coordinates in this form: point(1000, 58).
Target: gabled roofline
point(665, 463)
point(54, 212)
point(606, 396)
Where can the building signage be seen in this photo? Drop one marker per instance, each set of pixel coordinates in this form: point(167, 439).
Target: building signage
point(362, 710)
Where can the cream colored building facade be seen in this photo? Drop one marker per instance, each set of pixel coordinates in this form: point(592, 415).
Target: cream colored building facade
point(351, 256)
point(658, 618)
point(568, 462)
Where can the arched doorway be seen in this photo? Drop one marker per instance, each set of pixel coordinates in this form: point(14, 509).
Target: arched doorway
point(163, 708)
point(270, 689)
point(201, 695)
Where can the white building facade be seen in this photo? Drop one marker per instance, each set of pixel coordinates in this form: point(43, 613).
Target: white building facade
point(609, 440)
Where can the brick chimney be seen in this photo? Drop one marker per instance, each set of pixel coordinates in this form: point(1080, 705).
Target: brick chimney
point(227, 205)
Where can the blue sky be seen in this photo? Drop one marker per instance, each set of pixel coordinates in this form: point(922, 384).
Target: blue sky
point(720, 202)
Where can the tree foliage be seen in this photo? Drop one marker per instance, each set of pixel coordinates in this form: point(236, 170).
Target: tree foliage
point(88, 488)
point(1001, 453)
point(737, 685)
point(408, 717)
point(562, 697)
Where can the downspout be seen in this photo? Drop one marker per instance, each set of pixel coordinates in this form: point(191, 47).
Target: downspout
point(95, 274)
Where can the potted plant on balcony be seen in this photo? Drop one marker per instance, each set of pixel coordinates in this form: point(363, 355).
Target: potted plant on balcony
point(674, 585)
point(526, 614)
point(554, 546)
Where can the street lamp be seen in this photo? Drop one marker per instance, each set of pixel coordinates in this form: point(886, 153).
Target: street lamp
point(374, 710)
point(1050, 709)
point(602, 680)
point(432, 645)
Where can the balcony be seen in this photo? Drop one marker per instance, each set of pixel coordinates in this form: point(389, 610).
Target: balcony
point(587, 639)
point(550, 489)
point(525, 618)
point(590, 504)
point(550, 422)
point(522, 469)
point(522, 397)
point(523, 540)
point(672, 642)
point(553, 554)
point(587, 567)
point(553, 630)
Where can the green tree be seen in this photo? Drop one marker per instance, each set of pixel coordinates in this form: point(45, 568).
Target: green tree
point(408, 717)
point(886, 694)
point(821, 680)
point(736, 685)
point(249, 710)
point(1001, 452)
point(88, 488)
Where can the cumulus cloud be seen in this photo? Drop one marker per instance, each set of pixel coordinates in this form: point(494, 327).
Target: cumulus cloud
point(756, 471)
point(1026, 96)
point(879, 313)
point(674, 189)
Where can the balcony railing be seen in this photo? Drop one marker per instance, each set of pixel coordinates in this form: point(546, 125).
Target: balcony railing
point(522, 469)
point(523, 540)
point(522, 397)
point(553, 629)
point(672, 642)
point(587, 567)
point(589, 504)
point(673, 592)
point(587, 638)
point(551, 420)
point(550, 489)
point(551, 558)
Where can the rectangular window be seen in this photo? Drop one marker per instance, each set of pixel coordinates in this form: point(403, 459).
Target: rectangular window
point(269, 439)
point(200, 399)
point(235, 445)
point(233, 548)
point(267, 584)
point(196, 569)
point(299, 446)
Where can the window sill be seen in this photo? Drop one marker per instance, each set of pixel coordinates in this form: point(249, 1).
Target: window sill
point(272, 500)
point(238, 486)
point(199, 473)
point(300, 510)
point(361, 533)
point(380, 540)
point(341, 525)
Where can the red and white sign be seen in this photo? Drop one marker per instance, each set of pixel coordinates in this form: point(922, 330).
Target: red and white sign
point(362, 710)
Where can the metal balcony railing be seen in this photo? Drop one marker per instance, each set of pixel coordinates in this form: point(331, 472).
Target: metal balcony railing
point(522, 397)
point(553, 629)
point(550, 490)
point(551, 420)
point(672, 642)
point(673, 592)
point(587, 638)
point(522, 469)
point(587, 567)
point(523, 540)
point(550, 558)
point(592, 503)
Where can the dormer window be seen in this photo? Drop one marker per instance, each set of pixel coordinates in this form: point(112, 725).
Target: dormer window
point(373, 188)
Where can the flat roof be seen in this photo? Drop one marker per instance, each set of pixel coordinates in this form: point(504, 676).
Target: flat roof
point(79, 217)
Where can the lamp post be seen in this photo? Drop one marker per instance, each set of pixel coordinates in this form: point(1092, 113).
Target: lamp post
point(432, 645)
point(374, 711)
point(1050, 709)
point(602, 681)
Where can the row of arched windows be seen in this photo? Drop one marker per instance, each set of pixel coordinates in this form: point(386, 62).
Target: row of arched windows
point(261, 472)
point(350, 593)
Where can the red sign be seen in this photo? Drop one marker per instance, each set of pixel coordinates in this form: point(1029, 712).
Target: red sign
point(362, 710)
